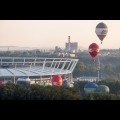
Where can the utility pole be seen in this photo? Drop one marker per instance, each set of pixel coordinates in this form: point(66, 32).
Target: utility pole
point(98, 68)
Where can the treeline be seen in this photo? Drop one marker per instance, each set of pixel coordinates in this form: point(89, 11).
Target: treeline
point(109, 67)
point(102, 96)
point(30, 53)
point(11, 91)
point(35, 92)
point(114, 86)
point(24, 53)
point(114, 93)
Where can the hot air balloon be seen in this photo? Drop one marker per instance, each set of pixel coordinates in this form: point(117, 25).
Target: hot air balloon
point(56, 80)
point(90, 87)
point(2, 83)
point(66, 84)
point(93, 50)
point(103, 89)
point(101, 31)
point(25, 81)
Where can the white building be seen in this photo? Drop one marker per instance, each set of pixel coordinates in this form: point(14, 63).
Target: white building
point(71, 47)
point(90, 79)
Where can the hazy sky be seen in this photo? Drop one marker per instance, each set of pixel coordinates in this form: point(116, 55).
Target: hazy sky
point(51, 33)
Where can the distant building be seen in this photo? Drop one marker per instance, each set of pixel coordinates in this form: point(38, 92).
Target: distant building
point(57, 49)
point(90, 79)
point(71, 47)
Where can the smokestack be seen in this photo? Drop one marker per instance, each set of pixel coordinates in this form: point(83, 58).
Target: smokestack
point(69, 39)
point(69, 42)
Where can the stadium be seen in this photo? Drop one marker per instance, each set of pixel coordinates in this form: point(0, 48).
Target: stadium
point(37, 69)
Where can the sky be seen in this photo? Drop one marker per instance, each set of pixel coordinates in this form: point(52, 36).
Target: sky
point(51, 33)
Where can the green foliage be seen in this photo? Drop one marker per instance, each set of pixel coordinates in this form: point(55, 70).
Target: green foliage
point(113, 85)
point(102, 96)
point(36, 92)
point(79, 86)
point(109, 67)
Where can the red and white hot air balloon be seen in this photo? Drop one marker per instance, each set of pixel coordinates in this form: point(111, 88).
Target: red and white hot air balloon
point(2, 83)
point(56, 80)
point(101, 31)
point(93, 50)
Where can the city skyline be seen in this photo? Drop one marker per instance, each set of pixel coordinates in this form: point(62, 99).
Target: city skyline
point(51, 33)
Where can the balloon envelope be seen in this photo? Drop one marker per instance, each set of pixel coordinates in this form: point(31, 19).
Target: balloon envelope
point(2, 83)
point(101, 30)
point(56, 80)
point(90, 87)
point(93, 50)
point(66, 84)
point(25, 81)
point(103, 88)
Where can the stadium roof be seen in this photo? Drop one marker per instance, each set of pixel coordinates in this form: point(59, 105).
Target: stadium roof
point(18, 66)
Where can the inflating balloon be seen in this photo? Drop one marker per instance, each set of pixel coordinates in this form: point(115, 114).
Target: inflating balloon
point(2, 83)
point(101, 31)
point(90, 87)
point(56, 80)
point(66, 84)
point(25, 81)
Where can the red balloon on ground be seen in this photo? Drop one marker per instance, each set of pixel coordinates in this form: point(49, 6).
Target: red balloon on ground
point(57, 80)
point(93, 50)
point(2, 83)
